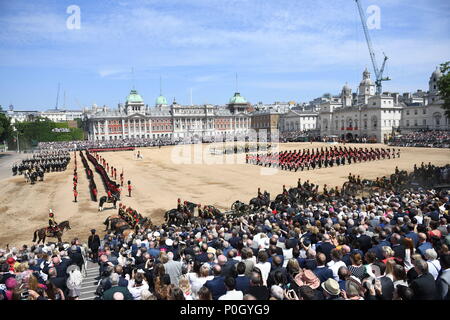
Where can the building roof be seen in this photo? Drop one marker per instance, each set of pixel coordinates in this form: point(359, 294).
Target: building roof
point(161, 100)
point(238, 99)
point(134, 97)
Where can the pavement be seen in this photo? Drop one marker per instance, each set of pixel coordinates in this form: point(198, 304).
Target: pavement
point(7, 160)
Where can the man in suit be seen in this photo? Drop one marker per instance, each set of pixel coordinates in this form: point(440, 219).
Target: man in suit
point(216, 285)
point(277, 265)
point(108, 294)
point(94, 244)
point(228, 265)
point(399, 249)
point(58, 281)
point(424, 286)
point(326, 246)
point(423, 245)
point(322, 271)
point(365, 242)
point(242, 281)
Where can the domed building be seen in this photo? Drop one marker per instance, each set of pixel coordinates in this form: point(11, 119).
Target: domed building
point(134, 103)
point(366, 88)
point(238, 103)
point(161, 101)
point(135, 120)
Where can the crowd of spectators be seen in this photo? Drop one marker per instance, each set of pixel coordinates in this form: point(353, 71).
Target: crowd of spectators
point(392, 245)
point(428, 139)
point(132, 142)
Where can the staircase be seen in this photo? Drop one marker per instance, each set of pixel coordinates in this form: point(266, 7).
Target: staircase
point(89, 284)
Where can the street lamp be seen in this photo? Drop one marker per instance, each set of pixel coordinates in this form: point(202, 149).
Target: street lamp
point(17, 137)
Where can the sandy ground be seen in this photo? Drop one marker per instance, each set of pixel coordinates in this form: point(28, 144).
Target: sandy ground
point(163, 175)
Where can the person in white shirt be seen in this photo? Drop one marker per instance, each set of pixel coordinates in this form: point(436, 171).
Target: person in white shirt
point(434, 266)
point(263, 265)
point(198, 277)
point(336, 263)
point(232, 293)
point(137, 285)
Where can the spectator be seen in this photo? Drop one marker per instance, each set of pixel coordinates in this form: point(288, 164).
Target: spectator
point(232, 293)
point(424, 287)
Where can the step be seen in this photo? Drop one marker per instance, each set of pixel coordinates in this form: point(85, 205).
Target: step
point(90, 282)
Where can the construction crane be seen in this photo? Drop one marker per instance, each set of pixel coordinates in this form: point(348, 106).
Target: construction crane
point(378, 72)
point(57, 97)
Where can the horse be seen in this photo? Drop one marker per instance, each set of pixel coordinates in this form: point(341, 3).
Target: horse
point(240, 207)
point(257, 202)
point(104, 199)
point(42, 232)
point(173, 216)
point(111, 221)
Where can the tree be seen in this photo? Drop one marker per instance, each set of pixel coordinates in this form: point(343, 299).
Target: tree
point(444, 87)
point(5, 127)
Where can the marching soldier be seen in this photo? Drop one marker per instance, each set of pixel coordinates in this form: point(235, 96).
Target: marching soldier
point(129, 188)
point(75, 194)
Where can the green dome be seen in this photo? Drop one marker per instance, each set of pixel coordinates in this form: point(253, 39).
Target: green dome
point(238, 99)
point(161, 100)
point(134, 97)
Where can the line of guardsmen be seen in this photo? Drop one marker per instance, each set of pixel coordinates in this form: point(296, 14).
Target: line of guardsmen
point(325, 157)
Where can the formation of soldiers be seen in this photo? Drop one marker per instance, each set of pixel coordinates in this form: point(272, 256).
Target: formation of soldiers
point(90, 176)
point(320, 158)
point(102, 167)
point(47, 161)
point(130, 216)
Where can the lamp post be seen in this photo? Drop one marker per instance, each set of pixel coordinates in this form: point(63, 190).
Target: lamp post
point(17, 137)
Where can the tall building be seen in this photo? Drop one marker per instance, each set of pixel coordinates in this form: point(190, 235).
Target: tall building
point(367, 114)
point(135, 119)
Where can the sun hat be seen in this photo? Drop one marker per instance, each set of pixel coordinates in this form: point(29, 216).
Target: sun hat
point(307, 278)
point(331, 286)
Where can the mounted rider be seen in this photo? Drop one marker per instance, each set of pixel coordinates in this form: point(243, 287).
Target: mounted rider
point(53, 226)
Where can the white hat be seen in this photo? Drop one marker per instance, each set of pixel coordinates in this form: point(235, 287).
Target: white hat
point(169, 242)
point(156, 234)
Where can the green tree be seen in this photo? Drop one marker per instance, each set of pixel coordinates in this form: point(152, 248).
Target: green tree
point(5, 127)
point(444, 87)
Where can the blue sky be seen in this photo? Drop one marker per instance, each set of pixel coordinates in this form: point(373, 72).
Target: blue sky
point(282, 50)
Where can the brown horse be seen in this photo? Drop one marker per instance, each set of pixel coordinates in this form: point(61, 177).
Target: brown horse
point(125, 229)
point(42, 233)
point(111, 221)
